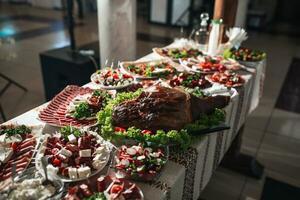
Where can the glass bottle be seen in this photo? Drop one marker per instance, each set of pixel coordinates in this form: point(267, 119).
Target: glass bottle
point(201, 35)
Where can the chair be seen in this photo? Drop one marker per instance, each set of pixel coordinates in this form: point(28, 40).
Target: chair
point(9, 82)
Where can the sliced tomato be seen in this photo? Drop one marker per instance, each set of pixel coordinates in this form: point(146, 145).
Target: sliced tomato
point(56, 162)
point(215, 78)
point(116, 189)
point(115, 76)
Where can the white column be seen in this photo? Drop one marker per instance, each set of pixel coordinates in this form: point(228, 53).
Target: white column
point(241, 13)
point(117, 30)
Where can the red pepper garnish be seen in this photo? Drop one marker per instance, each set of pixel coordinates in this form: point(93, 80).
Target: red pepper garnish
point(126, 76)
point(116, 188)
point(14, 146)
point(56, 162)
point(115, 76)
point(119, 129)
point(146, 132)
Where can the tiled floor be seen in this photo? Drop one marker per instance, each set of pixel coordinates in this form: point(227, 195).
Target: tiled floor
point(271, 135)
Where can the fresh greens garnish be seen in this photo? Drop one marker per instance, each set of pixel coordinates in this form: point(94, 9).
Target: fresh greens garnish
point(188, 82)
point(98, 93)
point(68, 130)
point(82, 110)
point(148, 71)
point(206, 121)
point(15, 130)
point(244, 54)
point(195, 91)
point(183, 53)
point(181, 137)
point(176, 137)
point(105, 116)
point(96, 196)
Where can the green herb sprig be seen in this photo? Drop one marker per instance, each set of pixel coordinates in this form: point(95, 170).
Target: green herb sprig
point(68, 130)
point(206, 121)
point(96, 196)
point(20, 130)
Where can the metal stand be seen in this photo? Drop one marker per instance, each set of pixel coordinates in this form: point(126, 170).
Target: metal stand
point(9, 82)
point(242, 163)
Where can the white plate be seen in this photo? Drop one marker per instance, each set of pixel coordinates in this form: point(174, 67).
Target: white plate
point(101, 86)
point(41, 150)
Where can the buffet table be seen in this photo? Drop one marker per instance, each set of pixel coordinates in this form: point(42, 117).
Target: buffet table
point(187, 173)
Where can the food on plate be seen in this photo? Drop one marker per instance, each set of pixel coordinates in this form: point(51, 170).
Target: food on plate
point(245, 54)
point(152, 69)
point(227, 78)
point(111, 78)
point(178, 53)
point(105, 188)
point(17, 145)
point(190, 81)
point(31, 189)
point(209, 64)
point(75, 154)
point(32, 185)
point(206, 121)
point(139, 161)
point(74, 105)
point(157, 114)
point(164, 108)
point(85, 107)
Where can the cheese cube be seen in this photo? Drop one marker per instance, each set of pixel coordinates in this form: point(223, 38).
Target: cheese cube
point(99, 156)
point(72, 138)
point(72, 173)
point(99, 150)
point(97, 164)
point(52, 170)
point(85, 153)
point(66, 152)
point(2, 138)
point(6, 155)
point(84, 172)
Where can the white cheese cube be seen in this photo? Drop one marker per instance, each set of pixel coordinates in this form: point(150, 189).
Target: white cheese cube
point(84, 172)
point(73, 173)
point(101, 156)
point(97, 164)
point(51, 169)
point(99, 150)
point(66, 152)
point(2, 138)
point(6, 155)
point(85, 153)
point(72, 138)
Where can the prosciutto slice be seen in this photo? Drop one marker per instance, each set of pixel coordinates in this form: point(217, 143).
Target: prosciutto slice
point(55, 112)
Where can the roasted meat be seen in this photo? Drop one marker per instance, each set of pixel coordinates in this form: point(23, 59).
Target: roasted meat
point(207, 105)
point(157, 108)
point(164, 108)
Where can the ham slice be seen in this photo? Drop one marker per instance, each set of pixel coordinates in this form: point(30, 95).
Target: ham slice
point(54, 113)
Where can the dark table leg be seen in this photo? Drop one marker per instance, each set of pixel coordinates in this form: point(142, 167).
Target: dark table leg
point(2, 113)
point(13, 82)
point(241, 163)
